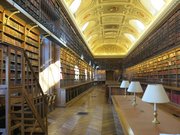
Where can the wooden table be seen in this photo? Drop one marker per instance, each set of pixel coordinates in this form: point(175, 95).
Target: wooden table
point(110, 91)
point(114, 90)
point(138, 120)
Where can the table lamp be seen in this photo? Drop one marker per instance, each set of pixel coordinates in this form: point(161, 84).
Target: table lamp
point(135, 87)
point(155, 93)
point(125, 85)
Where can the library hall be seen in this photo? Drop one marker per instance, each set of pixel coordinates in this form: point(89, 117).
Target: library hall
point(89, 67)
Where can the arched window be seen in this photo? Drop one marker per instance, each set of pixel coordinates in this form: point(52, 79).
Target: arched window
point(82, 56)
point(85, 72)
point(75, 5)
point(130, 37)
point(90, 75)
point(138, 25)
point(153, 6)
point(85, 26)
point(76, 70)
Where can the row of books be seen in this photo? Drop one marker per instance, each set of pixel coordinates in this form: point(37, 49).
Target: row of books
point(34, 62)
point(16, 34)
point(15, 25)
point(17, 42)
point(33, 36)
point(11, 40)
point(32, 55)
point(31, 49)
point(13, 75)
point(32, 42)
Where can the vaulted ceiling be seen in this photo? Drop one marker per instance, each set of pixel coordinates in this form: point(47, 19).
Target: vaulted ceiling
point(111, 28)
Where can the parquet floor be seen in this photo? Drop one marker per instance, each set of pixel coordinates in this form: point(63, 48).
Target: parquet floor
point(96, 117)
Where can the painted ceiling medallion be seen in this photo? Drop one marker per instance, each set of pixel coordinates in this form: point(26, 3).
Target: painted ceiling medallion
point(113, 9)
point(86, 16)
point(113, 27)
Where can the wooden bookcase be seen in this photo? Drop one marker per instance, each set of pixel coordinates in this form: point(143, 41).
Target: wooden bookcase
point(1, 66)
point(31, 45)
point(73, 69)
point(163, 68)
point(15, 36)
point(12, 29)
point(76, 77)
point(15, 31)
point(164, 37)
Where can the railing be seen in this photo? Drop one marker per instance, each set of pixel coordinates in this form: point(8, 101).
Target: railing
point(51, 14)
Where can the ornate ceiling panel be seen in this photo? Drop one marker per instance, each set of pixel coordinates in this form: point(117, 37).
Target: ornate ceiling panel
point(112, 27)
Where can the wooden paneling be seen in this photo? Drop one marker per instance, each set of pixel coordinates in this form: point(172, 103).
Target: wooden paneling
point(109, 75)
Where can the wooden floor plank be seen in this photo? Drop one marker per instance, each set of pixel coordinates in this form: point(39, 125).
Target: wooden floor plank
point(108, 121)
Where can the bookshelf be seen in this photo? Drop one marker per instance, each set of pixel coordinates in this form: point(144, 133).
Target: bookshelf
point(163, 38)
point(12, 30)
point(17, 81)
point(76, 77)
point(15, 68)
point(16, 32)
point(163, 68)
point(1, 65)
point(74, 70)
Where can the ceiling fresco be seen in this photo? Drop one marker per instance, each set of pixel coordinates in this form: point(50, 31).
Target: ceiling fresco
point(111, 28)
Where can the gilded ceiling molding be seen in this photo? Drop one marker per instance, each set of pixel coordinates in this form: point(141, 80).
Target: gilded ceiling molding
point(115, 27)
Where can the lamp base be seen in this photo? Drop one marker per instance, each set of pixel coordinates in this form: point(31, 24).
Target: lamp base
point(125, 93)
point(134, 103)
point(155, 121)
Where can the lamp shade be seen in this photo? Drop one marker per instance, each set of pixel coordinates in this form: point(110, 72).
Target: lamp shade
point(135, 87)
point(124, 84)
point(155, 93)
